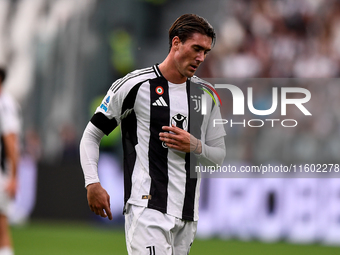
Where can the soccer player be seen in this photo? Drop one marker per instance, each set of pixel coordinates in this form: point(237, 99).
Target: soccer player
point(9, 153)
point(161, 143)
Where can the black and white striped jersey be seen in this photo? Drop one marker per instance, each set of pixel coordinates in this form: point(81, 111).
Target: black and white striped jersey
point(155, 176)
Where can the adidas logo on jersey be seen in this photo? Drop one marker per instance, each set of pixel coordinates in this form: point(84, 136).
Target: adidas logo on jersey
point(160, 102)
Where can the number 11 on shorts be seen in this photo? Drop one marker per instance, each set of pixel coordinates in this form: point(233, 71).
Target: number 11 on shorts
point(151, 249)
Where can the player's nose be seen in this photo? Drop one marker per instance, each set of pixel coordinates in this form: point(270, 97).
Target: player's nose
point(200, 57)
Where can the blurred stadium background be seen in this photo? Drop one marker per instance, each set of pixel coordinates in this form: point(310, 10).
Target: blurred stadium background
point(61, 57)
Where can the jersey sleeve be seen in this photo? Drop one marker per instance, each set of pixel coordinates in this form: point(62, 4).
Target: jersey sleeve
point(213, 149)
point(89, 153)
point(108, 114)
point(10, 112)
point(214, 131)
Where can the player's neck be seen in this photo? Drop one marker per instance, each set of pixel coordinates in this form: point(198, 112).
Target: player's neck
point(170, 72)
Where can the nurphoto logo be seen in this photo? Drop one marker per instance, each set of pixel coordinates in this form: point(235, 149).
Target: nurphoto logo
point(239, 105)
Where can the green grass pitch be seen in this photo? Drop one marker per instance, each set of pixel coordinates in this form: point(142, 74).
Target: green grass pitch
point(69, 238)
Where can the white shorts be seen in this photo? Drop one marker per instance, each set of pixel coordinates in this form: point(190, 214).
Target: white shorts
point(150, 232)
point(4, 198)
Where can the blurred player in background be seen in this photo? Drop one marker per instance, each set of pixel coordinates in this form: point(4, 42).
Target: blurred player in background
point(152, 105)
point(9, 155)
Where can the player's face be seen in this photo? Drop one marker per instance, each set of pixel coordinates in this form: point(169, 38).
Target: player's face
point(190, 54)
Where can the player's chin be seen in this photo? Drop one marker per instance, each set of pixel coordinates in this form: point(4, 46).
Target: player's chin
point(189, 74)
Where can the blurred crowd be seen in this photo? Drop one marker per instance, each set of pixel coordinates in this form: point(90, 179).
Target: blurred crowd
point(279, 38)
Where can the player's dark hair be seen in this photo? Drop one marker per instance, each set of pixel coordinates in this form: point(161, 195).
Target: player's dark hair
point(2, 74)
point(188, 24)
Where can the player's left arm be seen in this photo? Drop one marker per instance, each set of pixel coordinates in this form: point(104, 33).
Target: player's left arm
point(211, 152)
point(12, 155)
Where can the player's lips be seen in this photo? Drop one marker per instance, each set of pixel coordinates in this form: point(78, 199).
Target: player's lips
point(194, 67)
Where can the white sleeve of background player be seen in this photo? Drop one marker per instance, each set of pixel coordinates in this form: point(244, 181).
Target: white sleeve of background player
point(89, 153)
point(10, 113)
point(213, 152)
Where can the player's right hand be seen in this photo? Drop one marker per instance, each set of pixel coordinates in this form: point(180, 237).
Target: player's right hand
point(99, 200)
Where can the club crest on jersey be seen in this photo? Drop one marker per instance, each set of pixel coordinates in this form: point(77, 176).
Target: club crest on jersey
point(159, 90)
point(197, 100)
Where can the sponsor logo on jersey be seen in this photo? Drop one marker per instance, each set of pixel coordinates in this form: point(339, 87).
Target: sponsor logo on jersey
point(180, 121)
point(164, 145)
point(160, 102)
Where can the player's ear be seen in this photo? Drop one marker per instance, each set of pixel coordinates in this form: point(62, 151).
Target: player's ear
point(175, 42)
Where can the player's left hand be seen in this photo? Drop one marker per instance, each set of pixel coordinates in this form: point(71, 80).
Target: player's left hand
point(179, 139)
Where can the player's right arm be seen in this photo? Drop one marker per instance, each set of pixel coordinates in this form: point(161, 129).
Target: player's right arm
point(97, 197)
point(101, 123)
point(105, 119)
